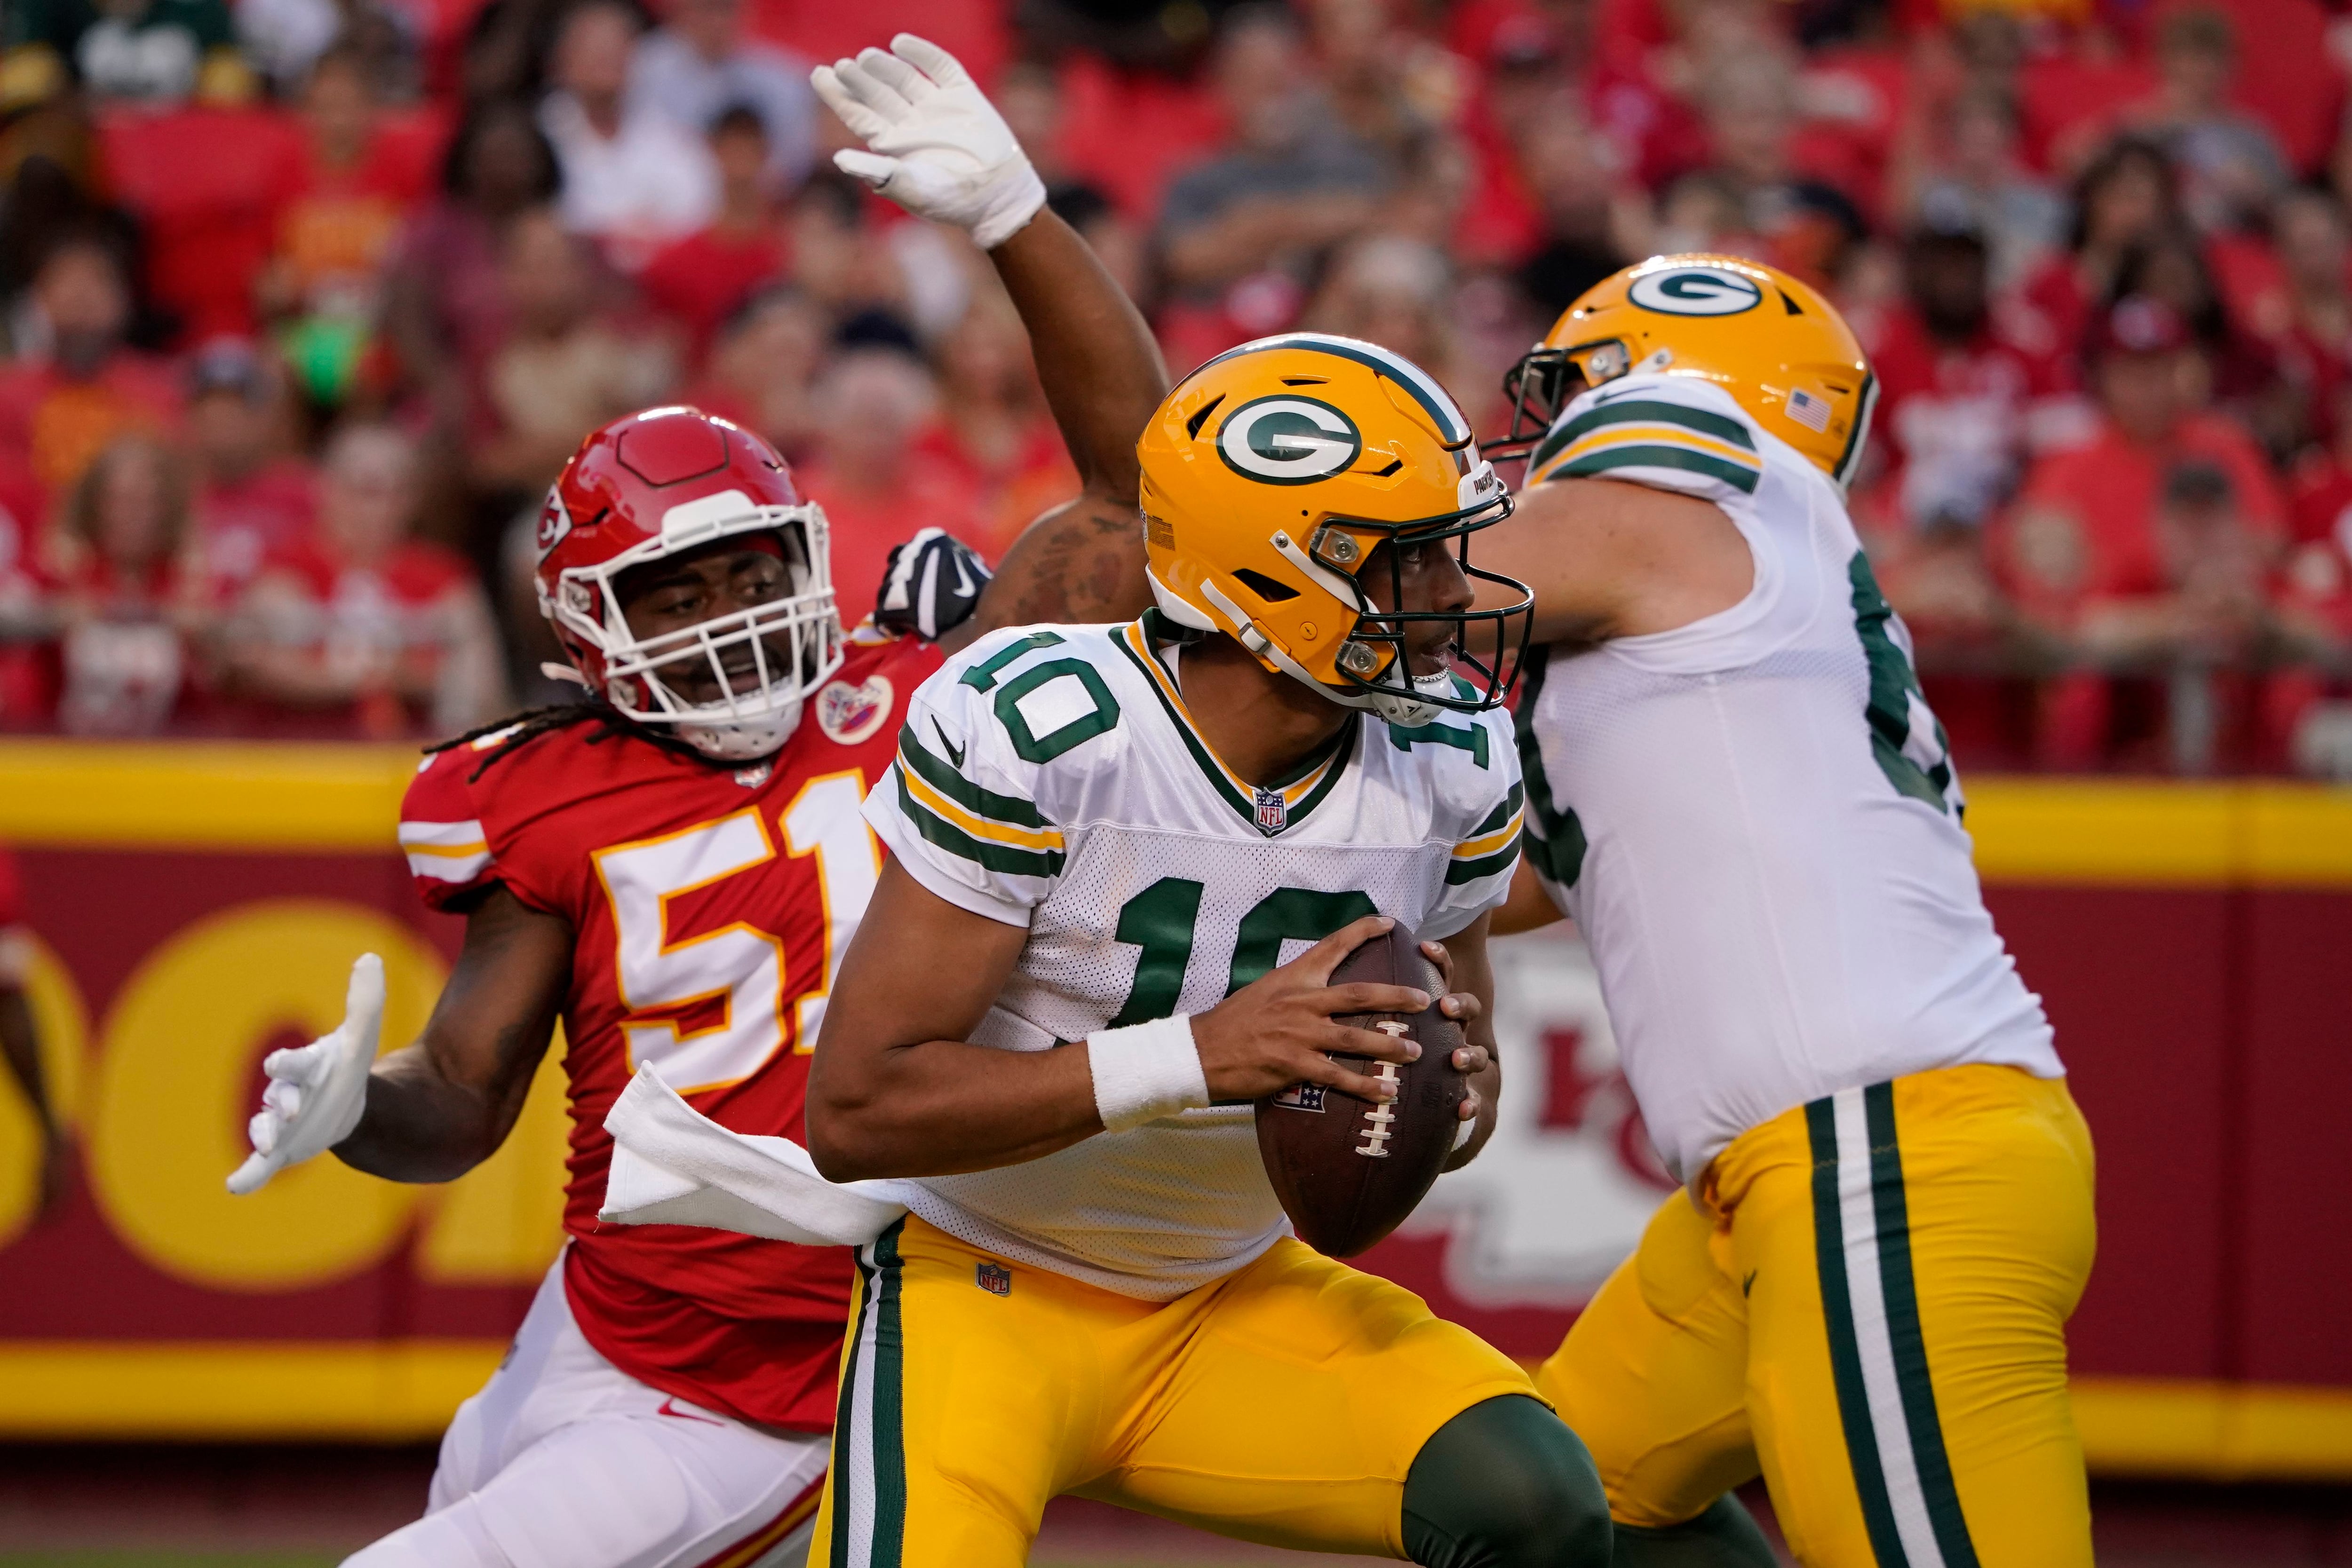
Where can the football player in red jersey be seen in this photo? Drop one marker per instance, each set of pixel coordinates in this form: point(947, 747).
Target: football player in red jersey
point(673, 870)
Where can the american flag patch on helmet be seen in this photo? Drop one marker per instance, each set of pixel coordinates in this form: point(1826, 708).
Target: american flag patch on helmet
point(1812, 413)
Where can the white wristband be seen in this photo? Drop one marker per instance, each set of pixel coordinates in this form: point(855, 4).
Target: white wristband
point(1464, 1134)
point(1145, 1071)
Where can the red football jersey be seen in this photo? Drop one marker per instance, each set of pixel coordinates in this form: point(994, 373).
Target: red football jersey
point(712, 905)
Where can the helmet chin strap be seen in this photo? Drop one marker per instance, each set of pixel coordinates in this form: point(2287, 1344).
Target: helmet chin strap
point(744, 739)
point(725, 739)
point(1394, 708)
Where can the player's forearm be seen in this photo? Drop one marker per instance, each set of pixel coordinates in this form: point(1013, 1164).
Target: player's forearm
point(419, 1127)
point(443, 1105)
point(944, 1106)
point(1097, 359)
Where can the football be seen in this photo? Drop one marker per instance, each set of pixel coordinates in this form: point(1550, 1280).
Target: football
point(1347, 1170)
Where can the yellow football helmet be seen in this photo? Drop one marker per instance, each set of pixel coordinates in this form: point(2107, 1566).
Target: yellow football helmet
point(1271, 477)
point(1781, 350)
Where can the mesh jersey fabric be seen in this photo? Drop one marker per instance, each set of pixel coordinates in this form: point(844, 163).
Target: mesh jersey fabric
point(1053, 778)
point(709, 904)
point(1753, 818)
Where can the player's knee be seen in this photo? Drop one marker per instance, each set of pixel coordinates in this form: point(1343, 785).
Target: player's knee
point(1724, 1536)
point(1504, 1484)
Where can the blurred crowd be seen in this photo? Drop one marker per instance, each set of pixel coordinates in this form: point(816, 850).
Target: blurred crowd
point(304, 302)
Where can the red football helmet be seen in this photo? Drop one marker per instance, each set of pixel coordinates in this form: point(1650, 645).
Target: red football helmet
point(657, 483)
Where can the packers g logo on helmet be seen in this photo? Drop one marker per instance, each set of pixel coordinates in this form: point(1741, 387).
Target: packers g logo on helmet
point(1288, 440)
point(1335, 459)
point(1696, 291)
point(1776, 345)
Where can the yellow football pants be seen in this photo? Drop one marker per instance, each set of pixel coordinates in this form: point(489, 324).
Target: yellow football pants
point(1871, 1308)
point(1283, 1404)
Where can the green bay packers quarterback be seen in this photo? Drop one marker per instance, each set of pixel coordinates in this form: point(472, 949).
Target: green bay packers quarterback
point(1125, 860)
point(1737, 791)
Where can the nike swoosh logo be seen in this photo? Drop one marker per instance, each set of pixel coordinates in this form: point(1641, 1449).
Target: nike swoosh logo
point(688, 1415)
point(1748, 1283)
point(955, 752)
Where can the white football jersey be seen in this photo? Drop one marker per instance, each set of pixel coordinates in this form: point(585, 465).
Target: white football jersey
point(1752, 818)
point(1052, 779)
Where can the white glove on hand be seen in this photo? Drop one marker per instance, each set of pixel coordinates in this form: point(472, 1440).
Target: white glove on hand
point(317, 1092)
point(939, 148)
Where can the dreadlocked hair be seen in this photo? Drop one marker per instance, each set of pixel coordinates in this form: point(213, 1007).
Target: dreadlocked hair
point(519, 730)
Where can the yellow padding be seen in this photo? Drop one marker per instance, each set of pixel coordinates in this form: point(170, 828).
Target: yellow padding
point(373, 1391)
point(2214, 1431)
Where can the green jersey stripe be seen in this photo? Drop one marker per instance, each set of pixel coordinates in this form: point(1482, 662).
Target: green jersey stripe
point(1343, 750)
point(1459, 871)
point(1900, 1289)
point(1501, 813)
point(939, 776)
point(1554, 838)
point(938, 830)
point(1645, 455)
point(1845, 1347)
point(1208, 764)
point(1642, 411)
point(1154, 628)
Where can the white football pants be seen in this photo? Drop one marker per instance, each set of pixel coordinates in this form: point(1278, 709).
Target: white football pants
point(563, 1460)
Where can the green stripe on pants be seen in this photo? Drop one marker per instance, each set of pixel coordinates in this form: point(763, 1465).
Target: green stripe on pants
point(844, 1420)
point(1845, 1351)
point(890, 1385)
point(1904, 1336)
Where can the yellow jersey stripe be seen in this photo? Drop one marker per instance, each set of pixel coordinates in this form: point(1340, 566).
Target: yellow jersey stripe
point(1490, 842)
point(453, 851)
point(978, 827)
point(1609, 435)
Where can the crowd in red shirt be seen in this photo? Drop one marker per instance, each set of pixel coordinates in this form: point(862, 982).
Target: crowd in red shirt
point(295, 341)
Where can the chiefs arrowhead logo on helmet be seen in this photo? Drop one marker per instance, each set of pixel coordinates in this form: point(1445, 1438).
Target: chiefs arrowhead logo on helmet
point(664, 483)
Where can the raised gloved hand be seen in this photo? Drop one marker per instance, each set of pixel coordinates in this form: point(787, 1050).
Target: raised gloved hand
point(939, 148)
point(932, 586)
point(317, 1092)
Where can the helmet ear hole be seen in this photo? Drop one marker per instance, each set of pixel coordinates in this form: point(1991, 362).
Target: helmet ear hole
point(1265, 587)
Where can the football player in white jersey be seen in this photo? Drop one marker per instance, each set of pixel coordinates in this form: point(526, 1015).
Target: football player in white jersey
point(1125, 860)
point(1737, 791)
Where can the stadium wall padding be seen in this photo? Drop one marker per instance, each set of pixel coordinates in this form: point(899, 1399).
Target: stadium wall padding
point(197, 904)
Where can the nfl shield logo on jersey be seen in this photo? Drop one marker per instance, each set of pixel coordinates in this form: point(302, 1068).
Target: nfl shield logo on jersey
point(1273, 811)
point(993, 1278)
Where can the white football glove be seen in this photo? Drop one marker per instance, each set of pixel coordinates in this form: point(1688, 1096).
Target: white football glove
point(939, 148)
point(317, 1092)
